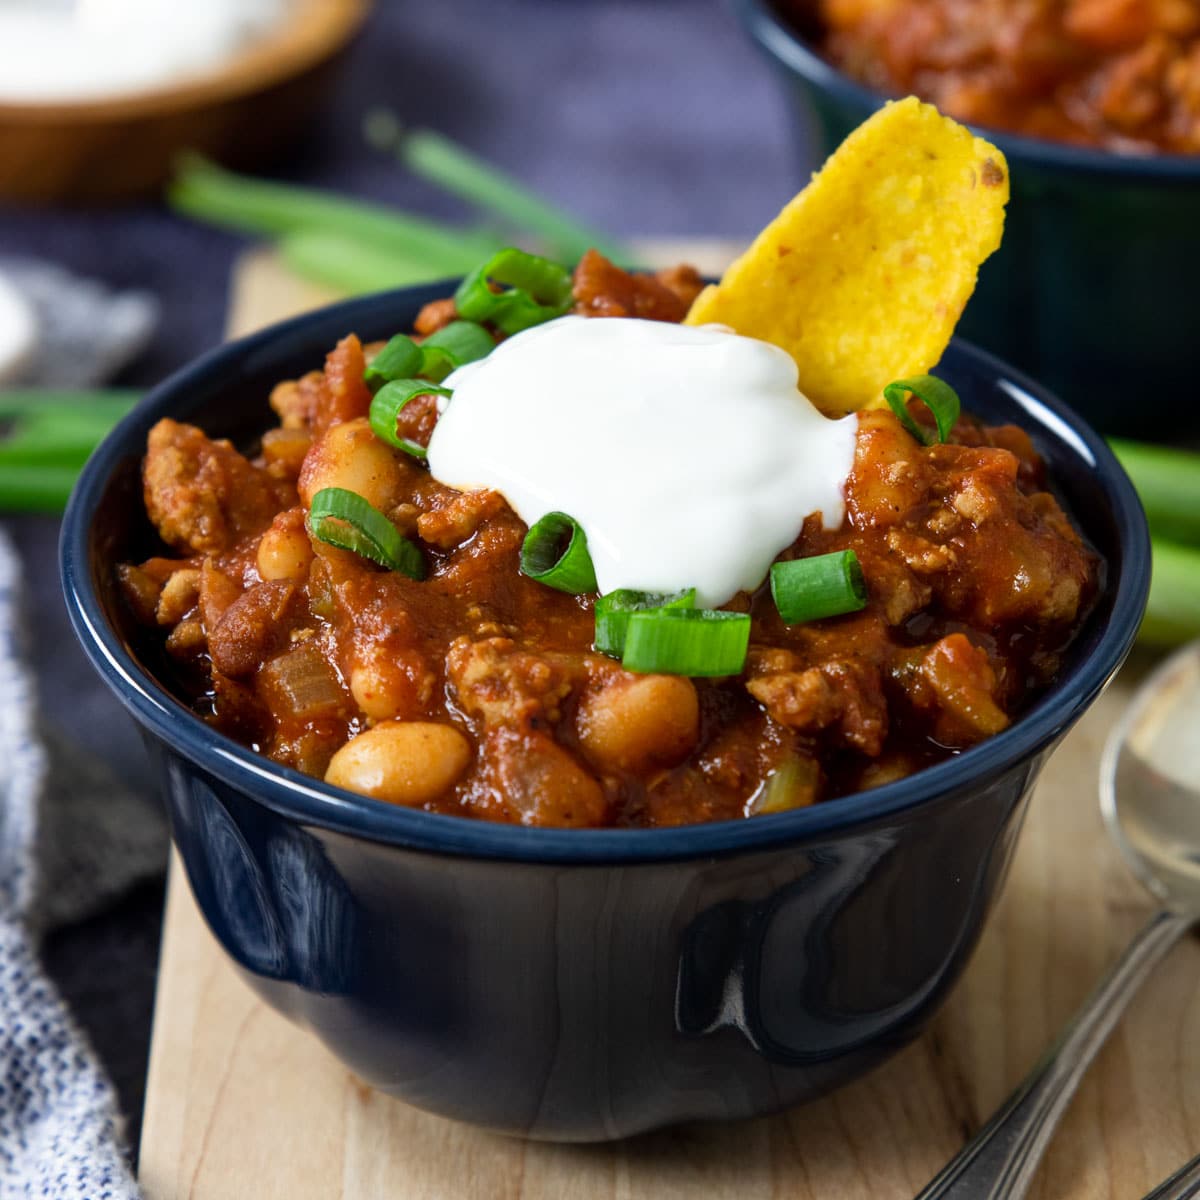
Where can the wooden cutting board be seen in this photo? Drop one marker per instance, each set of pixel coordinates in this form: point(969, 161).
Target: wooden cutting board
point(242, 1104)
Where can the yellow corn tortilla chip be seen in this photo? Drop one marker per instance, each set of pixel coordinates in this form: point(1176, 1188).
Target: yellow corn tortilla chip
point(863, 276)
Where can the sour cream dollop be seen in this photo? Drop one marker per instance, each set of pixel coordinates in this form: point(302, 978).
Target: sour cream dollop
point(688, 455)
point(71, 50)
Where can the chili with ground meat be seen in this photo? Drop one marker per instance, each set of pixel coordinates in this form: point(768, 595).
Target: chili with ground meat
point(1123, 74)
point(477, 691)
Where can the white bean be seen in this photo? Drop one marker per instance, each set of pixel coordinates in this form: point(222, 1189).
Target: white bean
point(382, 688)
point(350, 456)
point(636, 722)
point(404, 762)
point(285, 551)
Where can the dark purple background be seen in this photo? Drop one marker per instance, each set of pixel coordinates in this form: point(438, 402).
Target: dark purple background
point(641, 116)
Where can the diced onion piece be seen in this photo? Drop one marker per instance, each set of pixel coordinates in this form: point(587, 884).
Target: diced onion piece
point(826, 585)
point(555, 553)
point(613, 611)
point(344, 519)
point(534, 290)
point(386, 406)
point(303, 682)
point(793, 784)
point(686, 641)
point(937, 396)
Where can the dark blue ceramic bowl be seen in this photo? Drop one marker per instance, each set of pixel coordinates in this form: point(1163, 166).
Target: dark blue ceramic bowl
point(1093, 290)
point(585, 984)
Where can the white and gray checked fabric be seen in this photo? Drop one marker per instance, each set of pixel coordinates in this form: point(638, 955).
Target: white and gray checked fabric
point(72, 837)
point(69, 838)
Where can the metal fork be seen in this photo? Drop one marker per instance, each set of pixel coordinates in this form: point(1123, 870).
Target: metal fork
point(1183, 1185)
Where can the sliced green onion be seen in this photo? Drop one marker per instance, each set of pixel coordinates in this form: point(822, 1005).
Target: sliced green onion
point(826, 585)
point(937, 396)
point(451, 347)
point(387, 404)
point(555, 553)
point(455, 344)
point(401, 358)
point(686, 641)
point(441, 161)
point(344, 519)
point(535, 290)
point(614, 609)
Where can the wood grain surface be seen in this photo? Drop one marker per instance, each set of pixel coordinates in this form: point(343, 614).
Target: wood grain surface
point(241, 1103)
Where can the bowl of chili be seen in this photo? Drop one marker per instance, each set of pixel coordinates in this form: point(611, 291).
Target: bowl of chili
point(586, 984)
point(1091, 290)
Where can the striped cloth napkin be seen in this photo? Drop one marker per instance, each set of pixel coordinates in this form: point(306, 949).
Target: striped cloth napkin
point(72, 838)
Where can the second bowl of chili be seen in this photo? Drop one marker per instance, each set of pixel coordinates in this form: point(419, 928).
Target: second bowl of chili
point(1091, 290)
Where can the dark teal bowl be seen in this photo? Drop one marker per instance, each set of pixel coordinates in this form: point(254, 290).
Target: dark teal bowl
point(1093, 291)
point(575, 984)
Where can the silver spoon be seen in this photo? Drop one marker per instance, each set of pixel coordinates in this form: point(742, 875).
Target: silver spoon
point(1150, 798)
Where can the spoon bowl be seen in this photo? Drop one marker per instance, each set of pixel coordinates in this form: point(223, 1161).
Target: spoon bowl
point(1150, 782)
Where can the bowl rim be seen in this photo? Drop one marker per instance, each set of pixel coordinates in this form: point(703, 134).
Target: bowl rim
point(311, 802)
point(786, 48)
point(323, 29)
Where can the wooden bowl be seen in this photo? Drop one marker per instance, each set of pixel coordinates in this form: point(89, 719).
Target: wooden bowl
point(123, 146)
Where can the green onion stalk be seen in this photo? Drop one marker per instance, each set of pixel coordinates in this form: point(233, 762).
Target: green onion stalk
point(46, 437)
point(1168, 482)
point(438, 160)
point(209, 193)
point(356, 246)
point(1173, 611)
